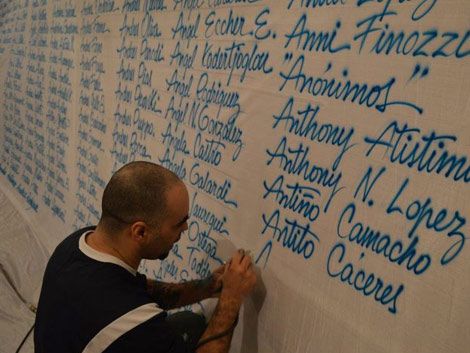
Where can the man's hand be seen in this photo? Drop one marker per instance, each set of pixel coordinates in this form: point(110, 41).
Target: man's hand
point(239, 278)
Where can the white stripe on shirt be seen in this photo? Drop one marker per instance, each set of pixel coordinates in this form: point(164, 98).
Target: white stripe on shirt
point(120, 326)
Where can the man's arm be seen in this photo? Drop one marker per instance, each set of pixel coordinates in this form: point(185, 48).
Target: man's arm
point(236, 282)
point(223, 320)
point(174, 295)
point(239, 280)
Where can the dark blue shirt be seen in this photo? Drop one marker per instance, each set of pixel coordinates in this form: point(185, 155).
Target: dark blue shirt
point(92, 302)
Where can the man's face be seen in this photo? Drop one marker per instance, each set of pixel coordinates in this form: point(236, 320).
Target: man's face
point(170, 229)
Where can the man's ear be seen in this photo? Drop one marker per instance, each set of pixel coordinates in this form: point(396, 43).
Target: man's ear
point(139, 231)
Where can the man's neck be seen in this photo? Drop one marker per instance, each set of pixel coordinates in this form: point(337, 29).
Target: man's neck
point(103, 243)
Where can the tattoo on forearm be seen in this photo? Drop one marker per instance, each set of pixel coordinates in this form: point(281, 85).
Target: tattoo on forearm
point(173, 295)
point(165, 294)
point(203, 283)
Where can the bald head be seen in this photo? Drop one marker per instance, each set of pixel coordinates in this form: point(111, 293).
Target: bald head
point(136, 192)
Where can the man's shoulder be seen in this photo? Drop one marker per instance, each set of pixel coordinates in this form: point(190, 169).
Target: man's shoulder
point(66, 251)
point(70, 243)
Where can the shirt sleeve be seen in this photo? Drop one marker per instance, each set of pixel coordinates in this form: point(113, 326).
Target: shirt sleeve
point(153, 336)
point(141, 279)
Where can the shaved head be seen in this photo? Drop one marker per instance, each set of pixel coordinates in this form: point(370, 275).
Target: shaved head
point(136, 192)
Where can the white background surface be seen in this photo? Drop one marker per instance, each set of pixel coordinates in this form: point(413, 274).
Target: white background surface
point(57, 152)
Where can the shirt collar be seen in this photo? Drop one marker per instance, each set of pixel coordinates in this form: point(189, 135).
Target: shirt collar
point(99, 256)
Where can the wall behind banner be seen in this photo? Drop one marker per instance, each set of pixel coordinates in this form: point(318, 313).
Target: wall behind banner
point(330, 137)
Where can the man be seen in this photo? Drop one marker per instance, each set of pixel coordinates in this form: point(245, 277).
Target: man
point(93, 299)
